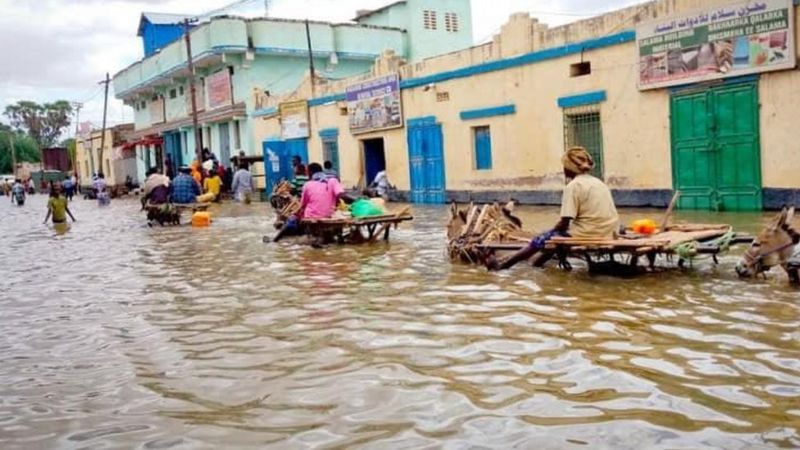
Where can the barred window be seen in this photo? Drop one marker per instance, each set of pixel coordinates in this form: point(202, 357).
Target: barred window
point(429, 19)
point(582, 127)
point(451, 22)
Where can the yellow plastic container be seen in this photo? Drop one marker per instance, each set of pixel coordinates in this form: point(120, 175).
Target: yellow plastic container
point(201, 219)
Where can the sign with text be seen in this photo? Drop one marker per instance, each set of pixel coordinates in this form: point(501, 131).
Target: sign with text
point(375, 104)
point(294, 120)
point(218, 87)
point(739, 39)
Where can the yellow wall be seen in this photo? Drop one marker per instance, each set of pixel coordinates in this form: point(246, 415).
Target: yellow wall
point(527, 146)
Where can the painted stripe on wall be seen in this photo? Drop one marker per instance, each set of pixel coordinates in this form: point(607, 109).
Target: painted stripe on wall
point(329, 132)
point(587, 98)
point(502, 64)
point(488, 112)
point(417, 121)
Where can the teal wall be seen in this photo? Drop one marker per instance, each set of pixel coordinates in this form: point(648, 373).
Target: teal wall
point(423, 43)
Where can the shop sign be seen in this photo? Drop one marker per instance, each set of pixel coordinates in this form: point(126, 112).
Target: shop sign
point(294, 119)
point(375, 104)
point(739, 39)
point(218, 86)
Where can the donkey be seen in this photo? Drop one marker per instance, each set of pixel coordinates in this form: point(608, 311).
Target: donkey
point(774, 246)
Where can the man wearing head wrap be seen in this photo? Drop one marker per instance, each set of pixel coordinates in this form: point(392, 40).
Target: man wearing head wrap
point(587, 209)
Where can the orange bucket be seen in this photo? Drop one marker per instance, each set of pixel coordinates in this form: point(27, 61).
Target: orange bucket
point(201, 219)
point(644, 226)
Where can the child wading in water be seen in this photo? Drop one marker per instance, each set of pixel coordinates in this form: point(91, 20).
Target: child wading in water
point(57, 206)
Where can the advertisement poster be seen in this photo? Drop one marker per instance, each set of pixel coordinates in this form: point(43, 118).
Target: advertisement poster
point(739, 39)
point(218, 86)
point(294, 120)
point(156, 109)
point(375, 104)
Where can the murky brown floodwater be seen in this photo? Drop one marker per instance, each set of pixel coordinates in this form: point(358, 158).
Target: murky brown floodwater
point(119, 336)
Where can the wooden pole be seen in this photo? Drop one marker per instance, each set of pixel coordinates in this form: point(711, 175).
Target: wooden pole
point(198, 138)
point(668, 214)
point(107, 81)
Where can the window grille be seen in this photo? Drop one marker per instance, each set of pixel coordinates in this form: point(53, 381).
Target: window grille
point(451, 22)
point(582, 127)
point(429, 19)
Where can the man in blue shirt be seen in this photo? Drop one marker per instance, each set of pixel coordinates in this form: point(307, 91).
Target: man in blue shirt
point(184, 188)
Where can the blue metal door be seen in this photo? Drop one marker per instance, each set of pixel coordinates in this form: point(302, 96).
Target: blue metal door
point(277, 164)
point(172, 144)
point(426, 161)
point(298, 147)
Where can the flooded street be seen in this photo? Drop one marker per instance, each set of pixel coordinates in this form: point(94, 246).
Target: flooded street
point(115, 335)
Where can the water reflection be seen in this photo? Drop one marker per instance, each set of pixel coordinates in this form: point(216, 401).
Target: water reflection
point(117, 335)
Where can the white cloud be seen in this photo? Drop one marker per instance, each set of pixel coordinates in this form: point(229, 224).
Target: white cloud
point(60, 49)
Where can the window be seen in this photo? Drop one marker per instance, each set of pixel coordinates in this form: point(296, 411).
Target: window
point(442, 96)
point(330, 152)
point(580, 69)
point(482, 143)
point(173, 93)
point(143, 105)
point(180, 90)
point(429, 19)
point(237, 135)
point(582, 127)
point(451, 22)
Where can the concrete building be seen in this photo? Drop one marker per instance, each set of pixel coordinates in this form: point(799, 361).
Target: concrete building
point(119, 157)
point(241, 63)
point(673, 94)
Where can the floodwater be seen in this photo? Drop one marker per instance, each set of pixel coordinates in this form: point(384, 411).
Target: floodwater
point(115, 335)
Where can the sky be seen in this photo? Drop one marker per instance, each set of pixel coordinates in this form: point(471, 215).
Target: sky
point(61, 49)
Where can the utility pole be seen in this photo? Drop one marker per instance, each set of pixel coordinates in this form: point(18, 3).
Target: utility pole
point(77, 106)
point(107, 81)
point(198, 138)
point(310, 57)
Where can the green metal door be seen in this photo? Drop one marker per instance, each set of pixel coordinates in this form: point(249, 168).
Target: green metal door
point(715, 148)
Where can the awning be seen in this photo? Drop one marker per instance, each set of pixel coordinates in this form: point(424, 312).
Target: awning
point(148, 140)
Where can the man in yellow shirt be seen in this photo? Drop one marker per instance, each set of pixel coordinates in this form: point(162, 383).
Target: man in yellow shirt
point(587, 209)
point(212, 187)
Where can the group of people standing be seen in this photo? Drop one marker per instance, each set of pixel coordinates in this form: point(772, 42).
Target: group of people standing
point(199, 183)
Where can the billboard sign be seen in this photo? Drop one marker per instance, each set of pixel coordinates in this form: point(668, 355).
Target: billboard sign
point(219, 92)
point(375, 104)
point(294, 120)
point(738, 39)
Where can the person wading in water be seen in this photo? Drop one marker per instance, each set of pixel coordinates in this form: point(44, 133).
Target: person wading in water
point(587, 210)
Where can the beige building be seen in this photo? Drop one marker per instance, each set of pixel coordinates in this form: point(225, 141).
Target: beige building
point(674, 94)
point(119, 159)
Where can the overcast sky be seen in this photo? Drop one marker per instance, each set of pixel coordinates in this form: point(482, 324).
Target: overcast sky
point(60, 49)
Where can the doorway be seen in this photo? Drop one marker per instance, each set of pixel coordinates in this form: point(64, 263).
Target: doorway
point(374, 158)
point(224, 144)
point(426, 161)
point(716, 154)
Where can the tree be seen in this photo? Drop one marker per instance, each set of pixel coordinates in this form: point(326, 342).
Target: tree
point(72, 150)
point(43, 123)
point(27, 150)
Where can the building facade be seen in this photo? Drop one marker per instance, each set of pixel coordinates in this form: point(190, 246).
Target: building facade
point(689, 95)
point(119, 157)
point(241, 63)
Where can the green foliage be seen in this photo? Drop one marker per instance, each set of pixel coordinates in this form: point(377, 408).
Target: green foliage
point(71, 147)
point(44, 123)
point(27, 150)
